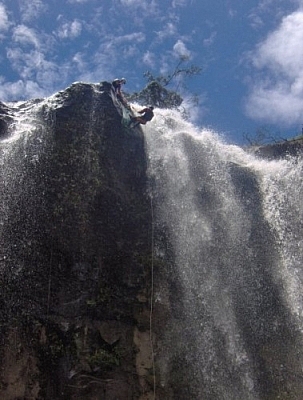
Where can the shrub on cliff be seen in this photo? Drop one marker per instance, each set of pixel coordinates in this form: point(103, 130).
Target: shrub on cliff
point(156, 93)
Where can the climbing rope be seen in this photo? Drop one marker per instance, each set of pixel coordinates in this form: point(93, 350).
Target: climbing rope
point(152, 297)
point(49, 283)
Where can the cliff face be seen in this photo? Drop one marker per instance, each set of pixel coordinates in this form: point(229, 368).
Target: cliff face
point(280, 150)
point(84, 248)
point(75, 250)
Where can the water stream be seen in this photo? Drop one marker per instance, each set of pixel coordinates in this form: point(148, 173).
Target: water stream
point(228, 231)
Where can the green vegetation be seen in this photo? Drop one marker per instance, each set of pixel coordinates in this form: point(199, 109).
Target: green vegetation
point(156, 93)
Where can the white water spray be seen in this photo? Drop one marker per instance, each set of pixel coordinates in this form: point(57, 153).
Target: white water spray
point(227, 249)
point(230, 233)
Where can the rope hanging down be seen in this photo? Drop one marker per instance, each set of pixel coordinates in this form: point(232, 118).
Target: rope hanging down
point(152, 297)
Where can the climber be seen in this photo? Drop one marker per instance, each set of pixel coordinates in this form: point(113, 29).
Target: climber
point(148, 115)
point(117, 85)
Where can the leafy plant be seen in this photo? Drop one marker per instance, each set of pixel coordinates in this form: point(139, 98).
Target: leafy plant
point(156, 93)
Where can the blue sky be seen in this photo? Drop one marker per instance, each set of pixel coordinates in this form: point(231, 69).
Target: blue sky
point(250, 52)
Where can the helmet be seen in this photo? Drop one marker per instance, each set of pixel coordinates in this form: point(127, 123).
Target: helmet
point(123, 80)
point(151, 107)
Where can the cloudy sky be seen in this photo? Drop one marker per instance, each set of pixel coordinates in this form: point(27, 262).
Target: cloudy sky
point(250, 52)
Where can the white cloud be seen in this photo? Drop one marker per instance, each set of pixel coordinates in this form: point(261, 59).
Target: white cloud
point(255, 20)
point(145, 7)
point(169, 30)
point(277, 91)
point(39, 76)
point(270, 9)
point(28, 57)
point(195, 108)
point(130, 51)
point(180, 50)
point(179, 3)
point(210, 40)
point(4, 22)
point(79, 60)
point(283, 49)
point(232, 13)
point(134, 3)
point(135, 37)
point(28, 63)
point(25, 35)
point(70, 30)
point(20, 90)
point(78, 1)
point(149, 59)
point(32, 9)
point(276, 105)
point(112, 52)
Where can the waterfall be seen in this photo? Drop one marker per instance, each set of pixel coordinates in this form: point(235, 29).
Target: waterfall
point(24, 166)
point(228, 245)
point(78, 193)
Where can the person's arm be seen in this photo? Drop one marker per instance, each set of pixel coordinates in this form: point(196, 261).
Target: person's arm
point(142, 111)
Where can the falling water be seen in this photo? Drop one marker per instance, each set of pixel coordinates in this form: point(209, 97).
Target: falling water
point(228, 241)
point(22, 211)
point(228, 290)
point(33, 160)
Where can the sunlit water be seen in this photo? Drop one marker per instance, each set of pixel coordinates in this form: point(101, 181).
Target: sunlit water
point(228, 228)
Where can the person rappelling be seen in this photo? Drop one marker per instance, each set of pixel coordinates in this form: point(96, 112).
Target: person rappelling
point(117, 85)
point(147, 114)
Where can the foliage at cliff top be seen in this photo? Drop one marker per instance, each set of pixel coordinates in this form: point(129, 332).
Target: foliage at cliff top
point(156, 93)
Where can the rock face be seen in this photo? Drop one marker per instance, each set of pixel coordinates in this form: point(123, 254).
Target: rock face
point(285, 149)
point(75, 250)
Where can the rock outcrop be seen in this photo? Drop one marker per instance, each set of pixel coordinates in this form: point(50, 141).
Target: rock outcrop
point(75, 250)
point(279, 150)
